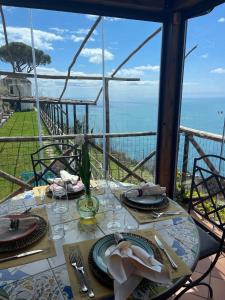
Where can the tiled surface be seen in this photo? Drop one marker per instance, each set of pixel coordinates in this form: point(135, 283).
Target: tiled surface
point(48, 279)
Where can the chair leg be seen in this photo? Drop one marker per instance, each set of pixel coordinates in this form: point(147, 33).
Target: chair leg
point(194, 285)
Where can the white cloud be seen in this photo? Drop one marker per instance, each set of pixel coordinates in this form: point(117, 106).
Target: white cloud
point(59, 30)
point(148, 68)
point(206, 55)
point(129, 72)
point(218, 71)
point(94, 55)
point(42, 39)
point(84, 31)
point(137, 71)
point(221, 20)
point(77, 39)
point(110, 19)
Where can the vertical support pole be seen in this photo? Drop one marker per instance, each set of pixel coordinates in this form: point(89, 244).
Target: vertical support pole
point(58, 120)
point(67, 119)
point(74, 118)
point(54, 120)
point(86, 118)
point(185, 163)
point(107, 124)
point(61, 117)
point(170, 96)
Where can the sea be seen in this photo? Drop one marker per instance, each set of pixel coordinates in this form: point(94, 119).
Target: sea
point(206, 114)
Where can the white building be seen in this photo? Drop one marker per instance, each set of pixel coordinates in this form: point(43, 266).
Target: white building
point(19, 87)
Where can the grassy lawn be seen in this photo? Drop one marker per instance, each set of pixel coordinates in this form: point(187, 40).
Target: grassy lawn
point(15, 157)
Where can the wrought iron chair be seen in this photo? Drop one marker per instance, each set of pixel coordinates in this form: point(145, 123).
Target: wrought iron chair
point(50, 159)
point(207, 206)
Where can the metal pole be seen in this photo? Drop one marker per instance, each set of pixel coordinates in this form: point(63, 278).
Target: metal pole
point(104, 107)
point(35, 80)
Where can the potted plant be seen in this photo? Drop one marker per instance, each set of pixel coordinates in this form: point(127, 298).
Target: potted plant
point(88, 204)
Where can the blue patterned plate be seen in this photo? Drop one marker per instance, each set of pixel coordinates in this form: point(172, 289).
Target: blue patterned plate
point(97, 258)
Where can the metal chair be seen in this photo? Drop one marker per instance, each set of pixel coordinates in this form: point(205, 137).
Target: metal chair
point(50, 159)
point(207, 206)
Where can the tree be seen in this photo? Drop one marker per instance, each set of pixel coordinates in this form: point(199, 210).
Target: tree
point(20, 56)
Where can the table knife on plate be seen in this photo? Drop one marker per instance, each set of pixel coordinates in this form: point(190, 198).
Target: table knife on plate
point(161, 246)
point(20, 255)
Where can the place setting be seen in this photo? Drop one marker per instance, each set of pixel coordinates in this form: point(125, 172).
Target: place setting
point(24, 237)
point(122, 264)
point(148, 203)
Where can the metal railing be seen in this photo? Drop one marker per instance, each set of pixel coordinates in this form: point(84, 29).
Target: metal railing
point(131, 156)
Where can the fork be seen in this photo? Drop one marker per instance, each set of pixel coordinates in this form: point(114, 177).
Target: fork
point(158, 215)
point(79, 272)
point(76, 262)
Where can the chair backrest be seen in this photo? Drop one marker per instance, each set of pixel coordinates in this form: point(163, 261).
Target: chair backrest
point(207, 195)
point(50, 159)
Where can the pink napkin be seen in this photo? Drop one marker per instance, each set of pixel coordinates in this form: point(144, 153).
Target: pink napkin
point(129, 264)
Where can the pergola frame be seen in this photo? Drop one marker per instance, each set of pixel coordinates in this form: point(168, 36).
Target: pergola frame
point(173, 14)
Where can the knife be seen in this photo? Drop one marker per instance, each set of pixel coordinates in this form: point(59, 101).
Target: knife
point(161, 246)
point(20, 255)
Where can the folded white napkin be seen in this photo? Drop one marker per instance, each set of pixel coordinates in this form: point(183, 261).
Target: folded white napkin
point(146, 189)
point(67, 177)
point(129, 264)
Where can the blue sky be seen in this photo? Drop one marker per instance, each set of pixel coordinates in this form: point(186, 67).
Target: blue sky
point(60, 34)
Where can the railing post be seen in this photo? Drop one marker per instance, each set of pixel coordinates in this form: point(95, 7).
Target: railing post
point(67, 119)
point(185, 163)
point(74, 118)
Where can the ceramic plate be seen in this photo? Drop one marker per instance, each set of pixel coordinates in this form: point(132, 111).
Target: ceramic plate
point(97, 258)
point(27, 225)
point(156, 204)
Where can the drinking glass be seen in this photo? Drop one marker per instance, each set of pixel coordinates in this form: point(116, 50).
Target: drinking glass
point(112, 203)
point(61, 201)
point(56, 232)
point(61, 205)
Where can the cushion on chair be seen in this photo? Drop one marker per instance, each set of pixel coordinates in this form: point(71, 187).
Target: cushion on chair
point(208, 245)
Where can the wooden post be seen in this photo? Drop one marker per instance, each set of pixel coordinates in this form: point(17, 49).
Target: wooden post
point(171, 77)
point(185, 163)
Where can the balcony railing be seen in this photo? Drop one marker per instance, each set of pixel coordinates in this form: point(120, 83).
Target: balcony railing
point(131, 156)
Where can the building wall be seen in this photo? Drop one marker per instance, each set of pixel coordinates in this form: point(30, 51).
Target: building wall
point(18, 87)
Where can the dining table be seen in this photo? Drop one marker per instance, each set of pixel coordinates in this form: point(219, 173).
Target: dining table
point(48, 277)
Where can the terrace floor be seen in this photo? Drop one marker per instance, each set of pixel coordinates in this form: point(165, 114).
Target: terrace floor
point(216, 279)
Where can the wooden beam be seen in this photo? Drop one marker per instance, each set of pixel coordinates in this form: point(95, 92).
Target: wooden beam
point(45, 100)
point(171, 77)
point(73, 136)
point(202, 134)
point(15, 180)
point(140, 10)
point(191, 5)
point(202, 153)
point(57, 77)
point(141, 163)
